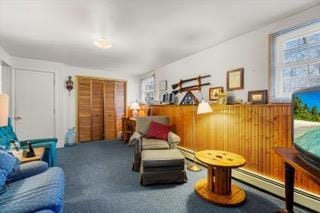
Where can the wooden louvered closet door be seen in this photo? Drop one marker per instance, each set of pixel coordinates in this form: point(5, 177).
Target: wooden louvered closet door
point(101, 105)
point(120, 103)
point(97, 112)
point(84, 129)
point(109, 110)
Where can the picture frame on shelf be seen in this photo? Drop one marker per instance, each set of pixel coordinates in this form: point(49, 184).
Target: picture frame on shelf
point(222, 99)
point(214, 93)
point(235, 79)
point(258, 96)
point(163, 85)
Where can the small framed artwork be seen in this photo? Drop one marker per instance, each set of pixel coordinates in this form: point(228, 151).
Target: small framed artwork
point(258, 97)
point(235, 79)
point(222, 98)
point(164, 97)
point(214, 93)
point(163, 85)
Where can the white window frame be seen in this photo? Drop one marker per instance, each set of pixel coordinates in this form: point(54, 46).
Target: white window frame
point(277, 44)
point(143, 89)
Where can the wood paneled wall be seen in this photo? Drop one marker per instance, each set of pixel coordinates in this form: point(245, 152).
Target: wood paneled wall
point(249, 130)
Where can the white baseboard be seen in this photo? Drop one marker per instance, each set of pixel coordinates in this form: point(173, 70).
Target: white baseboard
point(301, 197)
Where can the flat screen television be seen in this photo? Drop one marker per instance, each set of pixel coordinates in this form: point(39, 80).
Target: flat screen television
point(306, 124)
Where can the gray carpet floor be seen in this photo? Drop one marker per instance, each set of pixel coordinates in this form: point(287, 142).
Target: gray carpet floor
point(99, 179)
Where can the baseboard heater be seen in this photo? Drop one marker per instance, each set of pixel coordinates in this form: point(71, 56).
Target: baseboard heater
point(301, 197)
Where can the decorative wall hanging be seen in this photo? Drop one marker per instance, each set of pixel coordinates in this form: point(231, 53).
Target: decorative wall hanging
point(189, 98)
point(214, 93)
point(235, 79)
point(197, 86)
point(258, 97)
point(163, 85)
point(69, 84)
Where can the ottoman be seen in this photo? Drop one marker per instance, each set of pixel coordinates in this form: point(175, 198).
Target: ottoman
point(162, 166)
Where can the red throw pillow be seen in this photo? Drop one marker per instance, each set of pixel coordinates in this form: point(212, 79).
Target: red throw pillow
point(158, 131)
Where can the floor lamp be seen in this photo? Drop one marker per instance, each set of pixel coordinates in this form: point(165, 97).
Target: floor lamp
point(203, 108)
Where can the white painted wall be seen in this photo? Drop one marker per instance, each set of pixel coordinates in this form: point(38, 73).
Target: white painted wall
point(4, 56)
point(249, 51)
point(65, 104)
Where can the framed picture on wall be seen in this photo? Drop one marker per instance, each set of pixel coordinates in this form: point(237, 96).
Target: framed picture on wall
point(258, 97)
point(214, 93)
point(235, 79)
point(163, 85)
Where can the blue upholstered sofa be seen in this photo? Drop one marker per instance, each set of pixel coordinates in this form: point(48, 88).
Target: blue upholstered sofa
point(30, 187)
point(50, 156)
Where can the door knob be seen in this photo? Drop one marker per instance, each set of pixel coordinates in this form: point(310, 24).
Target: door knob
point(17, 118)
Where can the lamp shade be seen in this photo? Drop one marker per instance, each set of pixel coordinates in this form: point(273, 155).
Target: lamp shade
point(135, 106)
point(204, 107)
point(4, 109)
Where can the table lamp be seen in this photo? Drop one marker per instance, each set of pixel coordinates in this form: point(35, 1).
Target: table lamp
point(135, 107)
point(4, 109)
point(203, 108)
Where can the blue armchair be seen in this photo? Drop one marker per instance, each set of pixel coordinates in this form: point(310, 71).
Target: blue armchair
point(50, 155)
point(32, 187)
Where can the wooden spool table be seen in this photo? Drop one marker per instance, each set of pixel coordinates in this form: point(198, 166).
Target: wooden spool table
point(217, 188)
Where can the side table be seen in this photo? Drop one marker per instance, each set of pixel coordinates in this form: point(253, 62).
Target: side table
point(292, 162)
point(217, 188)
point(128, 128)
point(38, 155)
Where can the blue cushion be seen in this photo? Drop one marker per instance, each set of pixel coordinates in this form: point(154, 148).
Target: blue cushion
point(27, 170)
point(39, 192)
point(7, 164)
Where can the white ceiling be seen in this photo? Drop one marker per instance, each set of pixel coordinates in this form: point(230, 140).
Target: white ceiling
point(146, 34)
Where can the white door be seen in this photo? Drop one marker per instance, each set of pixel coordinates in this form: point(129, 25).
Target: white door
point(34, 104)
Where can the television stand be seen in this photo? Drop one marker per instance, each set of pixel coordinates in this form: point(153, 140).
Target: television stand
point(293, 162)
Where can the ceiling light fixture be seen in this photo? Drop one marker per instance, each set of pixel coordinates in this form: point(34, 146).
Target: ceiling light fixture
point(102, 43)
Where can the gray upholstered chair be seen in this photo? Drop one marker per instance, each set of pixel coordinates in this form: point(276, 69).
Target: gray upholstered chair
point(140, 142)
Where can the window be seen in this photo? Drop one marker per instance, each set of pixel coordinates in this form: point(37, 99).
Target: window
point(147, 89)
point(296, 60)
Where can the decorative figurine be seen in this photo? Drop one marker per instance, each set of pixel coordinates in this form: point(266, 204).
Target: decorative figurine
point(69, 84)
point(28, 153)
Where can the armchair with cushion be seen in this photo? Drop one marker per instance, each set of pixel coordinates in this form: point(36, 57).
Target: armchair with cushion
point(140, 142)
point(50, 156)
